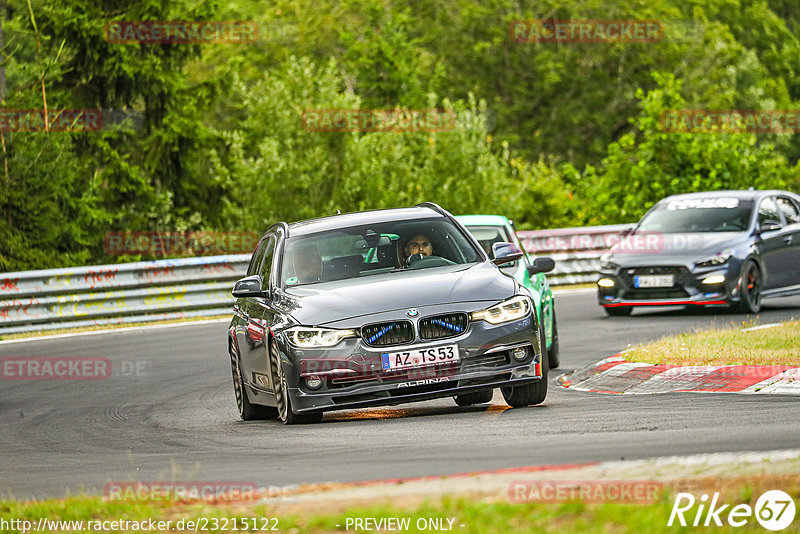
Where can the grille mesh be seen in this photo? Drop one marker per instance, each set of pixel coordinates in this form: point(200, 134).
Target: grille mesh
point(443, 326)
point(387, 334)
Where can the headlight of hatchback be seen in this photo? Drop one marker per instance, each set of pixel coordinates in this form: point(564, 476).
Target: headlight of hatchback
point(509, 310)
point(307, 338)
point(717, 259)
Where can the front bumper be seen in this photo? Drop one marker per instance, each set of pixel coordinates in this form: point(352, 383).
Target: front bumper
point(688, 288)
point(353, 376)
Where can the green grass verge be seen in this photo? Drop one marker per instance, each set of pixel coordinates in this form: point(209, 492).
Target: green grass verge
point(779, 345)
point(478, 515)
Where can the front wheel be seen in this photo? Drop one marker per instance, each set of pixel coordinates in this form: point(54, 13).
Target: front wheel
point(750, 288)
point(282, 398)
point(552, 353)
point(535, 392)
point(247, 410)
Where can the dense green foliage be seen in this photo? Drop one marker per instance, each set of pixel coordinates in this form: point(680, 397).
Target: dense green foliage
point(550, 134)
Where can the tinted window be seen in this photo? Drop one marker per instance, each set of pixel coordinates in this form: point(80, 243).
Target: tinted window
point(789, 209)
point(378, 248)
point(689, 215)
point(768, 212)
point(266, 265)
point(255, 260)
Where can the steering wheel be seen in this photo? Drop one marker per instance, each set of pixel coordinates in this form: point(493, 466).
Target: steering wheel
point(418, 261)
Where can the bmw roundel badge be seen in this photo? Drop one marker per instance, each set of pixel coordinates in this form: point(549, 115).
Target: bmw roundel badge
point(412, 312)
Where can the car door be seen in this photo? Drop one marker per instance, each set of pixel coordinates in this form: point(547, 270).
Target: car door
point(774, 253)
point(790, 210)
point(255, 358)
point(241, 308)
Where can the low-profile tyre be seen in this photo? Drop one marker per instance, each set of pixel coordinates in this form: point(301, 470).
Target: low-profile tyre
point(618, 311)
point(750, 288)
point(534, 392)
point(247, 410)
point(479, 397)
point(552, 352)
point(282, 398)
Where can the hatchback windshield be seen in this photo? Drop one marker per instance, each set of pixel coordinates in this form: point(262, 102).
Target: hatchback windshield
point(698, 215)
point(359, 251)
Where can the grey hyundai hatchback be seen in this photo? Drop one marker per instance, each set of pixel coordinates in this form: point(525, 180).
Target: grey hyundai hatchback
point(381, 307)
point(715, 248)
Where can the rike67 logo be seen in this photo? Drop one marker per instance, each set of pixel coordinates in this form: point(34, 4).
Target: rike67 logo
point(774, 510)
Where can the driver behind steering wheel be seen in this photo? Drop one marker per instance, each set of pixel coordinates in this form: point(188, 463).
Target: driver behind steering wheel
point(416, 248)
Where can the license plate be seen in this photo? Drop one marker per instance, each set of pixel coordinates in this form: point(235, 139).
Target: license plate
point(419, 357)
point(662, 280)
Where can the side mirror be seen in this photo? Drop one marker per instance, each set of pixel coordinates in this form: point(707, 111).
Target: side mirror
point(769, 225)
point(248, 287)
point(505, 252)
point(541, 265)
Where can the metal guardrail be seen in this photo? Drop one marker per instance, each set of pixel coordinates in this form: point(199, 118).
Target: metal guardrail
point(191, 287)
point(577, 251)
point(116, 294)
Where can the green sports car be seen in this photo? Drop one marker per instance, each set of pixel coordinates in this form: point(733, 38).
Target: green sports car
point(490, 229)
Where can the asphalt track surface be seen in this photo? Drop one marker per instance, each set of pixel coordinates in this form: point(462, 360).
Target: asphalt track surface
point(168, 413)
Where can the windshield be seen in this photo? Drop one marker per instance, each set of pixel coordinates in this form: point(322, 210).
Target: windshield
point(390, 247)
point(698, 215)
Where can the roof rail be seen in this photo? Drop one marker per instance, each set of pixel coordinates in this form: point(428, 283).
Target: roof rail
point(432, 205)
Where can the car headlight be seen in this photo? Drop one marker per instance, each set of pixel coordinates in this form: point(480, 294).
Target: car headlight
point(509, 310)
point(717, 259)
point(306, 338)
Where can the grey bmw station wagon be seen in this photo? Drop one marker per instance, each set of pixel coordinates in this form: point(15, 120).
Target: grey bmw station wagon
point(378, 308)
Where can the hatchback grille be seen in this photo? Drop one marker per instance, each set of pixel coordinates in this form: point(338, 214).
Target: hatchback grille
point(386, 334)
point(442, 326)
point(681, 274)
